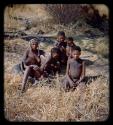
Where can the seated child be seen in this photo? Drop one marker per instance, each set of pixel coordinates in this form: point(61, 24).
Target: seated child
point(52, 64)
point(70, 44)
point(75, 73)
point(61, 45)
point(31, 62)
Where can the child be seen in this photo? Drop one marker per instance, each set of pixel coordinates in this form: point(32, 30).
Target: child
point(70, 44)
point(75, 70)
point(52, 64)
point(61, 45)
point(31, 62)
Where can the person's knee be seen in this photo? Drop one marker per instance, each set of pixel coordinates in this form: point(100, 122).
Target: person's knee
point(28, 68)
point(37, 74)
point(65, 84)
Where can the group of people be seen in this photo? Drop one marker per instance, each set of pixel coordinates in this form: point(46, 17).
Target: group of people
point(63, 53)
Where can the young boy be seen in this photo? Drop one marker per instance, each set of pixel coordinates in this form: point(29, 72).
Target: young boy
point(75, 70)
point(70, 44)
point(52, 64)
point(31, 62)
point(61, 45)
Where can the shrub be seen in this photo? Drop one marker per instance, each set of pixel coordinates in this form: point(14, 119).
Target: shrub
point(65, 13)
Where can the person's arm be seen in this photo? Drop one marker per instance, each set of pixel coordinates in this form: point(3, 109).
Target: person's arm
point(37, 57)
point(24, 59)
point(83, 72)
point(67, 74)
point(67, 51)
point(45, 63)
point(63, 49)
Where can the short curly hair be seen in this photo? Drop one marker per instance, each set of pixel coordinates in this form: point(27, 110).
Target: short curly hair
point(61, 33)
point(34, 40)
point(76, 48)
point(70, 38)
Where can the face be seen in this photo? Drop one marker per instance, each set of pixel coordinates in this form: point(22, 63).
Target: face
point(55, 55)
point(76, 54)
point(70, 43)
point(34, 45)
point(61, 38)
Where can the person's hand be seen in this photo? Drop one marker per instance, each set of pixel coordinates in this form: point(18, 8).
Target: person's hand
point(37, 58)
point(78, 82)
point(36, 68)
point(41, 69)
point(71, 84)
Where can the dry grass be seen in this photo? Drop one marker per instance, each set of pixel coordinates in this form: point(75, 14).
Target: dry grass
point(42, 19)
point(17, 46)
point(99, 46)
point(36, 14)
point(47, 103)
point(87, 103)
point(102, 47)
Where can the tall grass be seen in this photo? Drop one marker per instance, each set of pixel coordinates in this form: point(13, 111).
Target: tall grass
point(99, 46)
point(35, 13)
point(102, 48)
point(47, 102)
point(87, 103)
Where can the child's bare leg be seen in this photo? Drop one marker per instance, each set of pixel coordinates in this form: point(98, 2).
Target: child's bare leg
point(65, 84)
point(37, 75)
point(26, 74)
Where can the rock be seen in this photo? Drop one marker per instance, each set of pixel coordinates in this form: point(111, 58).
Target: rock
point(17, 69)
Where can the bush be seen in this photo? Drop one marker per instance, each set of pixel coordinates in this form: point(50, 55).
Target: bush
point(65, 13)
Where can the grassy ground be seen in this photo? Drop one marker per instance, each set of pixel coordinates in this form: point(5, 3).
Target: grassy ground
point(46, 102)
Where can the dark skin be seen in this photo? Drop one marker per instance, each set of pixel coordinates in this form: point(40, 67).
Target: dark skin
point(62, 46)
point(70, 44)
point(52, 64)
point(75, 69)
point(32, 63)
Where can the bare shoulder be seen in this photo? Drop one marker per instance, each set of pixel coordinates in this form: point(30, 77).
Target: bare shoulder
point(27, 51)
point(70, 60)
